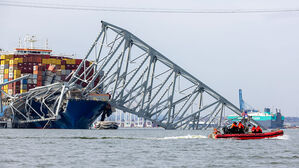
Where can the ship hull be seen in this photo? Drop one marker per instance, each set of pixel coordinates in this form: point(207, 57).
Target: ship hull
point(271, 124)
point(79, 114)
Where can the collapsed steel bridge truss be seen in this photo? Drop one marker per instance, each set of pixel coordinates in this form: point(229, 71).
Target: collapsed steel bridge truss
point(140, 80)
point(144, 82)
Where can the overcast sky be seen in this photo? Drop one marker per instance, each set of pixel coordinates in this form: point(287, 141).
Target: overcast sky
point(258, 52)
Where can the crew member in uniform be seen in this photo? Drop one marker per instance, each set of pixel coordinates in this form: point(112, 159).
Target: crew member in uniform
point(258, 129)
point(234, 128)
point(253, 129)
point(241, 128)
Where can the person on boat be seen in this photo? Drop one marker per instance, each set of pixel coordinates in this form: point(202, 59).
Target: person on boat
point(226, 130)
point(258, 129)
point(241, 128)
point(216, 131)
point(253, 129)
point(234, 128)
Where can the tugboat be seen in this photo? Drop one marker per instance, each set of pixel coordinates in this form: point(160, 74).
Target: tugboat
point(106, 125)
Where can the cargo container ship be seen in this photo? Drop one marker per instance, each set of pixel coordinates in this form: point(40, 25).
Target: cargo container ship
point(267, 119)
point(45, 69)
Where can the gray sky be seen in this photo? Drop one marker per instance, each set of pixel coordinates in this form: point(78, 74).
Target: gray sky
point(258, 52)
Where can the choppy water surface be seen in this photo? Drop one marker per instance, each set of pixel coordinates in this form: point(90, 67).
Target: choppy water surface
point(142, 148)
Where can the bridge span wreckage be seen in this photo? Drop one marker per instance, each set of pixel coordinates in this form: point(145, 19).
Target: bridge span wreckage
point(140, 80)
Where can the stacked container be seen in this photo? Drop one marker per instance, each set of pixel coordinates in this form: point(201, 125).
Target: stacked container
point(43, 69)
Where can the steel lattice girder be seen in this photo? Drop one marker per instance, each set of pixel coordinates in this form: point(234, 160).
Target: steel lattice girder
point(50, 98)
point(144, 82)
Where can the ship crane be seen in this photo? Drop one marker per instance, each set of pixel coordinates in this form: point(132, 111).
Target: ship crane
point(141, 81)
point(243, 105)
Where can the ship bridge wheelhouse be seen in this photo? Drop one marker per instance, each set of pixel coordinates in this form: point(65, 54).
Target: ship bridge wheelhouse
point(32, 51)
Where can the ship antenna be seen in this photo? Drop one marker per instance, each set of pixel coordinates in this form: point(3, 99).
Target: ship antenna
point(25, 40)
point(20, 46)
point(46, 44)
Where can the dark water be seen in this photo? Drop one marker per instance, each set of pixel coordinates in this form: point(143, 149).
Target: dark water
point(142, 148)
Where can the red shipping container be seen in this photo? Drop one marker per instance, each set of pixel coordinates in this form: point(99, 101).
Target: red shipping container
point(42, 67)
point(45, 56)
point(21, 69)
point(84, 84)
point(78, 61)
point(81, 70)
point(30, 70)
point(39, 83)
point(39, 59)
point(30, 86)
point(30, 59)
point(25, 69)
point(25, 60)
point(39, 78)
point(96, 82)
